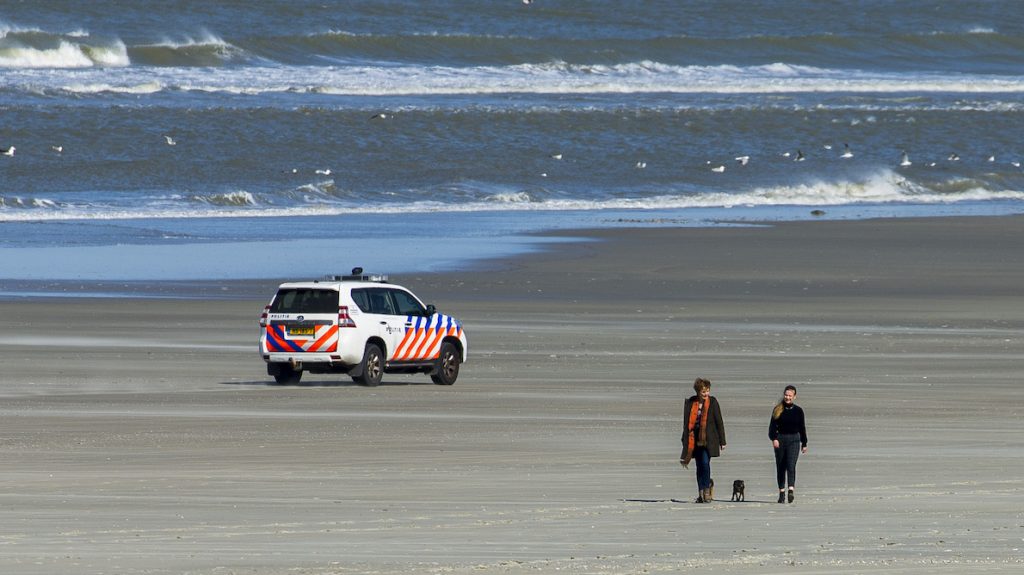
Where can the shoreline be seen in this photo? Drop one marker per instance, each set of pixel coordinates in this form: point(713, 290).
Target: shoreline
point(546, 243)
point(149, 267)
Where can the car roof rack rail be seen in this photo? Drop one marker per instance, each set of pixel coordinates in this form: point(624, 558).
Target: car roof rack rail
point(357, 275)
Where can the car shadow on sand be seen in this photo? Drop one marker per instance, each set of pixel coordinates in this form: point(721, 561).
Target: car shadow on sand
point(328, 383)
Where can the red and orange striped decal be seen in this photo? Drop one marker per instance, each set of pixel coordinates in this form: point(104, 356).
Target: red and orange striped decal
point(325, 340)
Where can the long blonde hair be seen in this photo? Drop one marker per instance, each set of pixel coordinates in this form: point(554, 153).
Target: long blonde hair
point(778, 409)
point(777, 412)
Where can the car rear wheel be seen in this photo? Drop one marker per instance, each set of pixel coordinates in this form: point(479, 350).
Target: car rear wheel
point(372, 367)
point(288, 376)
point(447, 370)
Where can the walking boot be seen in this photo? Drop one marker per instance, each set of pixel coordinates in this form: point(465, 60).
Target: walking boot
point(791, 496)
point(782, 497)
point(700, 497)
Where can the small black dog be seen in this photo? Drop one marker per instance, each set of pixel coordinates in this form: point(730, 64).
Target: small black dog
point(737, 490)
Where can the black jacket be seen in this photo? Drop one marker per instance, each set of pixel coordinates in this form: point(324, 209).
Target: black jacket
point(789, 422)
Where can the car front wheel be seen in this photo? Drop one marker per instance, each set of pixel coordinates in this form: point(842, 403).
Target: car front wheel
point(372, 367)
point(447, 370)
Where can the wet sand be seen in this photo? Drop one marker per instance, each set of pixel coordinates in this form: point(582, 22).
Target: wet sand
point(143, 436)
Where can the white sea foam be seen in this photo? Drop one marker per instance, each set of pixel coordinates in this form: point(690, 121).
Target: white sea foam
point(205, 38)
point(145, 88)
point(512, 198)
point(67, 54)
point(552, 78)
point(30, 47)
point(883, 187)
point(237, 198)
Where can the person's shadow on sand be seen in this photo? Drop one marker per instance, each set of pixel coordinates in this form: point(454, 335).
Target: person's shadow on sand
point(687, 501)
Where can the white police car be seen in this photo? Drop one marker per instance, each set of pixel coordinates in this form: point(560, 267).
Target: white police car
point(359, 325)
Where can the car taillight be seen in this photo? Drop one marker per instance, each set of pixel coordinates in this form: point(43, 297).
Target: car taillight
point(344, 320)
point(263, 316)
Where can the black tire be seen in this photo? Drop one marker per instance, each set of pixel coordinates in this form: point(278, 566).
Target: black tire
point(288, 376)
point(448, 363)
point(372, 366)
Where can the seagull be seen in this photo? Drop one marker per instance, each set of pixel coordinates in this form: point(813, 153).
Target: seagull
point(7, 151)
point(847, 153)
point(743, 160)
point(58, 149)
point(380, 116)
point(718, 169)
point(170, 141)
point(991, 158)
point(556, 156)
point(1015, 164)
point(904, 159)
point(326, 172)
point(954, 157)
point(799, 156)
point(641, 165)
point(827, 146)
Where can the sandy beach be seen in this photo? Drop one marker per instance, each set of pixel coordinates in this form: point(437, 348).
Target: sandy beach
point(142, 436)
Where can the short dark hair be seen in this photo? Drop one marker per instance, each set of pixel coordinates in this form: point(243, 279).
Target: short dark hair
point(700, 384)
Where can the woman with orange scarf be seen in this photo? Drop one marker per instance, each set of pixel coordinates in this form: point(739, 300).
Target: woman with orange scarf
point(703, 436)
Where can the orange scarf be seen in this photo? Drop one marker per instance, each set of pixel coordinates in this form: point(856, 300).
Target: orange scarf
point(691, 423)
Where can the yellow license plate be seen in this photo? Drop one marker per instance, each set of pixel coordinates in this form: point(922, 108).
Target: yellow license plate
point(301, 330)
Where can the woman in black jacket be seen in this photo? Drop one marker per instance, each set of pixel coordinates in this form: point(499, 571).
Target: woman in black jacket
point(703, 436)
point(788, 434)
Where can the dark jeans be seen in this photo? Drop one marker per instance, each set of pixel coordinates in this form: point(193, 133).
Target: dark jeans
point(703, 459)
point(786, 455)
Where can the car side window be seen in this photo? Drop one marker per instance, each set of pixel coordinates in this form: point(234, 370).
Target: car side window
point(362, 300)
point(407, 304)
point(380, 301)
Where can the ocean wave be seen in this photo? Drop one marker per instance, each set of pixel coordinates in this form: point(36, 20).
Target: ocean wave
point(549, 78)
point(37, 48)
point(40, 50)
point(936, 45)
point(882, 187)
point(205, 50)
point(942, 50)
point(19, 203)
point(238, 198)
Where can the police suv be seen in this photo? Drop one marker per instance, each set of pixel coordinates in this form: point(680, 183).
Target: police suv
point(359, 325)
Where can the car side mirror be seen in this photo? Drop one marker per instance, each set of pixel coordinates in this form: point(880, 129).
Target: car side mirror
point(431, 310)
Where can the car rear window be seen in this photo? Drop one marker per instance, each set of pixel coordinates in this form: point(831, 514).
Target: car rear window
point(304, 300)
